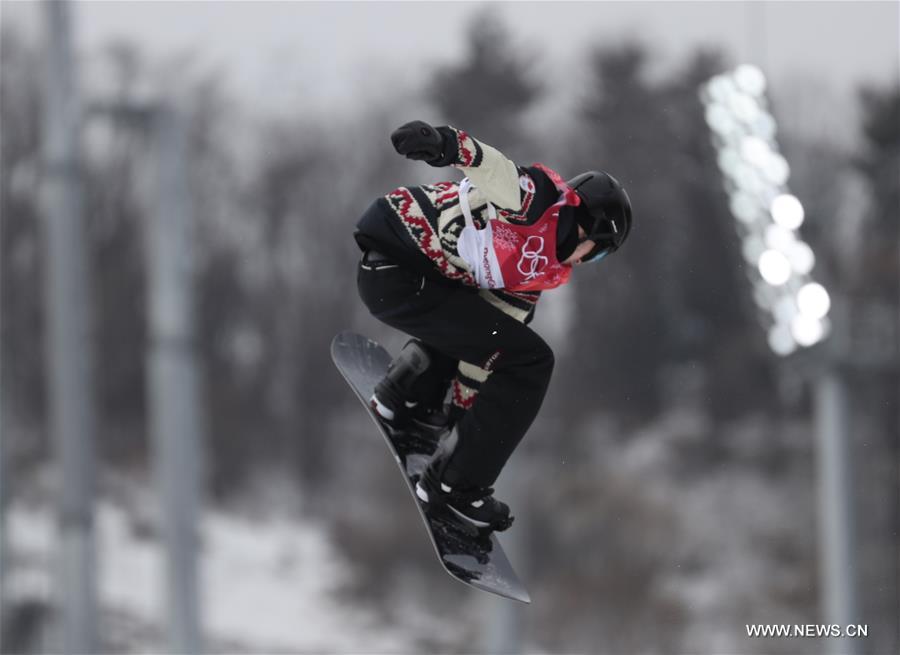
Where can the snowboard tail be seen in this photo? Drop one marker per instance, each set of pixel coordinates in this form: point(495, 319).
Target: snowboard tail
point(471, 555)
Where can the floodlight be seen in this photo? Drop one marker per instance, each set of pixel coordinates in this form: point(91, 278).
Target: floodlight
point(813, 300)
point(763, 126)
point(807, 330)
point(781, 340)
point(755, 150)
point(764, 296)
point(755, 176)
point(750, 79)
point(744, 207)
point(785, 309)
point(719, 118)
point(774, 267)
point(776, 169)
point(729, 161)
point(787, 211)
point(744, 107)
point(779, 238)
point(801, 257)
point(752, 248)
point(720, 88)
point(743, 175)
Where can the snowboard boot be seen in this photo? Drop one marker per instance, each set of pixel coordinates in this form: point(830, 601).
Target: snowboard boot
point(475, 505)
point(391, 400)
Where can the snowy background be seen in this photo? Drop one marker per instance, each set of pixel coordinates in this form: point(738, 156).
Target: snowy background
point(666, 495)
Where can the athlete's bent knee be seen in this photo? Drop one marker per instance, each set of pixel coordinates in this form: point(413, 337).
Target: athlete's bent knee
point(544, 358)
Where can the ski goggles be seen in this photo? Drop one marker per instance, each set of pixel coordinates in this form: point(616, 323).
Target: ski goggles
point(605, 234)
point(597, 254)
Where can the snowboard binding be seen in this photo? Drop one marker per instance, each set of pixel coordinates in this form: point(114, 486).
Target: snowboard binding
point(394, 398)
point(475, 506)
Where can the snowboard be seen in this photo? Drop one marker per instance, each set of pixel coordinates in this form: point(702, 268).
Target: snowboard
point(472, 555)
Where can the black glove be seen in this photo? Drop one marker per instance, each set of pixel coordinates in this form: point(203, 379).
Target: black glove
point(418, 140)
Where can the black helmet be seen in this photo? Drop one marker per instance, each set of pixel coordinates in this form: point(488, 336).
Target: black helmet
point(604, 213)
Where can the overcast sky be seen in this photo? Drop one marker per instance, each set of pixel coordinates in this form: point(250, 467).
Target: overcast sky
point(278, 52)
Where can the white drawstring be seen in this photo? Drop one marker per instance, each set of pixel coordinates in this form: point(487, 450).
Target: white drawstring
point(464, 187)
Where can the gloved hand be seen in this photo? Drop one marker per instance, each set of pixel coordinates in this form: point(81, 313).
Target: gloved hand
point(418, 140)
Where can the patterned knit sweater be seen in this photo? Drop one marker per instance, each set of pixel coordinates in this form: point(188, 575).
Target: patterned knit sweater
point(419, 227)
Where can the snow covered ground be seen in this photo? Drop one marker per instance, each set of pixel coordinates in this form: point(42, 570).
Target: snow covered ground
point(269, 585)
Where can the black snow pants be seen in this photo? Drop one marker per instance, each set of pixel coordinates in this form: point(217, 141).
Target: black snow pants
point(457, 324)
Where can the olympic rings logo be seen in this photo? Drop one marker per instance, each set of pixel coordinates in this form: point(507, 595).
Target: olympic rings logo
point(532, 258)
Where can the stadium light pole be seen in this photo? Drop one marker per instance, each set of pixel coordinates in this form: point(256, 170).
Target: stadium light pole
point(70, 386)
point(175, 417)
point(176, 421)
point(794, 308)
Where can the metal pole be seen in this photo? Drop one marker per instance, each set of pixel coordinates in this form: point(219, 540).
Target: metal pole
point(174, 409)
point(837, 563)
point(504, 619)
point(3, 502)
point(503, 625)
point(68, 345)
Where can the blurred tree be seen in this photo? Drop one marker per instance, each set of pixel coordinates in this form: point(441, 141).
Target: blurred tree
point(120, 192)
point(117, 166)
point(21, 311)
point(285, 171)
point(876, 393)
point(128, 69)
point(622, 322)
point(308, 199)
point(487, 92)
point(115, 215)
point(880, 165)
point(674, 300)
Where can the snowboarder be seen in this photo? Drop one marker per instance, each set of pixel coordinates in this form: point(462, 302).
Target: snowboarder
point(459, 266)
